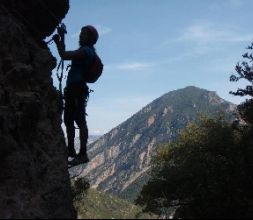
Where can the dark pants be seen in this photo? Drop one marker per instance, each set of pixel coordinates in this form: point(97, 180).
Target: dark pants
point(76, 96)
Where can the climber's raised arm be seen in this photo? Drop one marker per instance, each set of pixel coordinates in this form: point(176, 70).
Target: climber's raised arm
point(67, 55)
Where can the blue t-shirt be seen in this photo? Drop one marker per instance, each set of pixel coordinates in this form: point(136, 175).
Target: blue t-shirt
point(76, 74)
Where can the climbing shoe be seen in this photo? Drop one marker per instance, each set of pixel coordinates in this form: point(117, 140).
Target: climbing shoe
point(80, 159)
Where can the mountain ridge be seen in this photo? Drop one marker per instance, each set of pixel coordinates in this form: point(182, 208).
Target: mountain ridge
point(163, 96)
point(122, 156)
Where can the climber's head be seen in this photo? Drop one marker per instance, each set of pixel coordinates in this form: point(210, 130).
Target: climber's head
point(88, 36)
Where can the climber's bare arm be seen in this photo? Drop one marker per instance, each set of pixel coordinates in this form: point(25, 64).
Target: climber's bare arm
point(69, 55)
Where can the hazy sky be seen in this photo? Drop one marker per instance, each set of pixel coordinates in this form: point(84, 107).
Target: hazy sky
point(151, 47)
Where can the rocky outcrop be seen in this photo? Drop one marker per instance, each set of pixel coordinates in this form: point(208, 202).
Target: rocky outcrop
point(34, 181)
point(39, 16)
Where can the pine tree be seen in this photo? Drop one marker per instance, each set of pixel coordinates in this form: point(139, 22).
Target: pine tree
point(244, 70)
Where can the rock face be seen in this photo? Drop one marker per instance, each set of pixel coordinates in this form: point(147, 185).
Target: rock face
point(121, 158)
point(34, 181)
point(39, 16)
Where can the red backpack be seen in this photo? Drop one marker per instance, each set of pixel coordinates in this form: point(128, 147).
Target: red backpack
point(94, 71)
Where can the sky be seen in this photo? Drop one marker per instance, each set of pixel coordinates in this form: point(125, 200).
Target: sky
point(151, 47)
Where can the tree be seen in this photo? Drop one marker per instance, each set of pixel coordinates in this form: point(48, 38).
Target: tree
point(206, 172)
point(244, 70)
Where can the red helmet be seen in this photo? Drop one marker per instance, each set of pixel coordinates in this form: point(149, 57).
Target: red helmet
point(93, 34)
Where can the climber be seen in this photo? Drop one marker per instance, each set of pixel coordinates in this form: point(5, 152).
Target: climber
point(76, 91)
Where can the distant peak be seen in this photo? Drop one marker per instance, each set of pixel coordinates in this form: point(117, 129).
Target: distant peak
point(192, 88)
point(187, 90)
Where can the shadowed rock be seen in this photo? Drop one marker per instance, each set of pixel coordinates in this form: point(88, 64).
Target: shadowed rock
point(40, 16)
point(34, 180)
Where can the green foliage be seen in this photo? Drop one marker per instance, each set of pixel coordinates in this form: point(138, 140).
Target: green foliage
point(92, 204)
point(244, 70)
point(132, 191)
point(79, 188)
point(207, 172)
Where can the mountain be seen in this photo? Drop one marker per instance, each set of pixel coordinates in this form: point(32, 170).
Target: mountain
point(120, 160)
point(93, 138)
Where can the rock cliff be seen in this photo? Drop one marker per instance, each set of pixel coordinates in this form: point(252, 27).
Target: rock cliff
point(34, 181)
